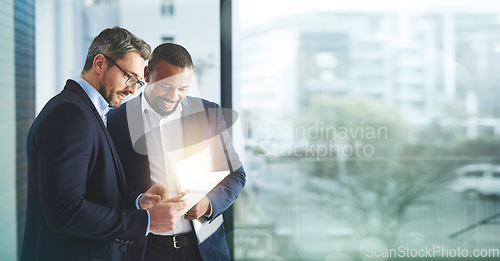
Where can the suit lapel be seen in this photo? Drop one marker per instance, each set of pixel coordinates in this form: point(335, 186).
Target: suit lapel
point(188, 124)
point(73, 86)
point(136, 126)
point(198, 131)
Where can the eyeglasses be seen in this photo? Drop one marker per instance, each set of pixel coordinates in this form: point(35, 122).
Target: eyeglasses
point(131, 80)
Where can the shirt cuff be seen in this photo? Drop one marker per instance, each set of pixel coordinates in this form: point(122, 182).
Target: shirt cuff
point(149, 223)
point(137, 201)
point(211, 210)
point(149, 216)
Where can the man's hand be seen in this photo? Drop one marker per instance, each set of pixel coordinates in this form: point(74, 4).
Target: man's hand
point(165, 214)
point(155, 194)
point(201, 208)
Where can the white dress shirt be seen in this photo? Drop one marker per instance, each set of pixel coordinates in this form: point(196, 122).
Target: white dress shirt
point(164, 141)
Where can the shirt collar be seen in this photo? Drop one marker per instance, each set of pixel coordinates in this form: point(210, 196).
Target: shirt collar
point(99, 102)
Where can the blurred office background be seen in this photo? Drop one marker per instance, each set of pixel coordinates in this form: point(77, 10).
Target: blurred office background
point(355, 115)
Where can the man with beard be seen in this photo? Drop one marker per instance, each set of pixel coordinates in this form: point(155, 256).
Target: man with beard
point(79, 207)
point(162, 127)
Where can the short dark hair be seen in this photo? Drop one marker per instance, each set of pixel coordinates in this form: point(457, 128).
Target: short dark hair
point(115, 42)
point(171, 53)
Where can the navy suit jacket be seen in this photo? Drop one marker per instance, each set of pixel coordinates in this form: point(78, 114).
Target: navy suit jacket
point(77, 196)
point(203, 125)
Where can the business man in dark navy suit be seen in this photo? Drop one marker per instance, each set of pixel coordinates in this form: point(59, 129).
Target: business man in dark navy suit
point(135, 127)
point(78, 205)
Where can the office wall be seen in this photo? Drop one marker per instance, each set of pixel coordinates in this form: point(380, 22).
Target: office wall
point(8, 234)
point(24, 37)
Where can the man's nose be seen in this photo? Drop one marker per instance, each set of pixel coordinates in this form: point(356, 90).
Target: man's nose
point(172, 94)
point(131, 89)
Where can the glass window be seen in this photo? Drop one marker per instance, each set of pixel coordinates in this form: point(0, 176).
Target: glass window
point(167, 7)
point(64, 56)
point(167, 39)
point(357, 116)
point(474, 174)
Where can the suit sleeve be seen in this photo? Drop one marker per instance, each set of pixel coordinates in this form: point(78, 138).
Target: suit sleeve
point(65, 145)
point(226, 158)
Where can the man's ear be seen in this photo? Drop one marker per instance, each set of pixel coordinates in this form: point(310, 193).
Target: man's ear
point(98, 64)
point(146, 74)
